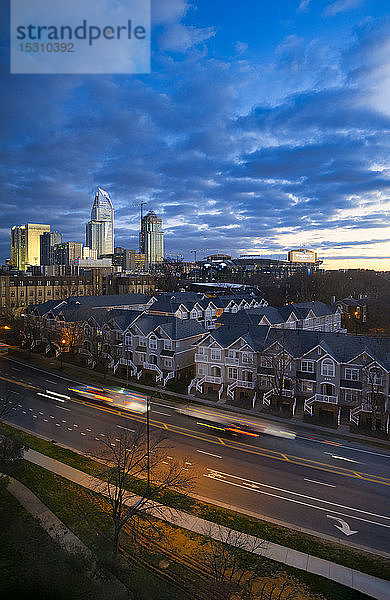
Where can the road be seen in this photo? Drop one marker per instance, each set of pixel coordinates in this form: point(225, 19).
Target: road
point(331, 486)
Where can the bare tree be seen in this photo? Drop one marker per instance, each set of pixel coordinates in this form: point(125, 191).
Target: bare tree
point(232, 561)
point(280, 379)
point(126, 464)
point(373, 377)
point(72, 336)
point(273, 590)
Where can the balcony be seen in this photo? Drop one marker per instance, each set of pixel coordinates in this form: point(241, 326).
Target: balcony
point(231, 361)
point(200, 358)
point(326, 399)
point(249, 385)
point(211, 379)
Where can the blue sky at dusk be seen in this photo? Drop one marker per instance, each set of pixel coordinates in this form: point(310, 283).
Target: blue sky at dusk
point(263, 126)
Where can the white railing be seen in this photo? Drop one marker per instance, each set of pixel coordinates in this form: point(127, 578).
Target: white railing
point(267, 397)
point(124, 361)
point(254, 400)
point(231, 361)
point(138, 375)
point(308, 406)
point(201, 358)
point(355, 412)
point(220, 392)
point(170, 375)
point(191, 385)
point(211, 379)
point(230, 389)
point(199, 385)
point(250, 385)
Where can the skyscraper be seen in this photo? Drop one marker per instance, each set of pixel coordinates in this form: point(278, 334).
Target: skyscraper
point(100, 229)
point(26, 244)
point(151, 238)
point(48, 240)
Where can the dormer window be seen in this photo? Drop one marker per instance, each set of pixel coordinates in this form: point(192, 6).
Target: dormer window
point(153, 343)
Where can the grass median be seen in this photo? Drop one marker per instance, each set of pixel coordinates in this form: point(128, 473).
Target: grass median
point(338, 553)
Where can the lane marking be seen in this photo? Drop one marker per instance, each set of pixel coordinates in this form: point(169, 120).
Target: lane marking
point(15, 392)
point(62, 407)
point(161, 413)
point(272, 487)
point(164, 405)
point(209, 453)
point(82, 433)
point(59, 395)
point(121, 427)
point(323, 509)
point(53, 382)
point(58, 425)
point(70, 429)
point(335, 456)
point(88, 429)
point(46, 420)
point(51, 397)
point(319, 482)
point(15, 369)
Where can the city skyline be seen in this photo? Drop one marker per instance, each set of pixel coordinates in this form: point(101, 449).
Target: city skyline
point(251, 135)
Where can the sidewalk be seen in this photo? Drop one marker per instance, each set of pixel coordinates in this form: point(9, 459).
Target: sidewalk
point(293, 423)
point(373, 587)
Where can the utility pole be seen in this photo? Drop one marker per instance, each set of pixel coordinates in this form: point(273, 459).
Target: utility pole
point(147, 492)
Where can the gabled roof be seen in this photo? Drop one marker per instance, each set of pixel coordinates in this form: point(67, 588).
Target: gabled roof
point(176, 329)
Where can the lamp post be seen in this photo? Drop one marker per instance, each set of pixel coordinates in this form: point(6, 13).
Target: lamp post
point(147, 491)
point(62, 342)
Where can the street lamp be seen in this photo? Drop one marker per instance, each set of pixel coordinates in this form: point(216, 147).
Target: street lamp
point(147, 491)
point(62, 342)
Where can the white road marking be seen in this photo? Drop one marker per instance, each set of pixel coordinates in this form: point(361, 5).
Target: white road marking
point(343, 526)
point(209, 454)
point(217, 474)
point(63, 421)
point(161, 413)
point(164, 405)
point(13, 408)
point(75, 425)
point(41, 413)
point(82, 433)
point(112, 444)
point(342, 458)
point(88, 429)
point(52, 416)
point(121, 427)
point(46, 420)
point(15, 369)
point(15, 392)
point(48, 396)
point(59, 395)
point(62, 407)
point(70, 429)
point(97, 439)
point(20, 405)
point(320, 482)
point(24, 412)
point(53, 382)
point(58, 425)
point(35, 417)
point(30, 409)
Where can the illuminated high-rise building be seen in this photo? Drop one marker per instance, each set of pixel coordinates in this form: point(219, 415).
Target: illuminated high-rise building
point(151, 238)
point(100, 229)
point(26, 245)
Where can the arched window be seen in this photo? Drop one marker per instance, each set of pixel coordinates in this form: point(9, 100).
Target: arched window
point(328, 367)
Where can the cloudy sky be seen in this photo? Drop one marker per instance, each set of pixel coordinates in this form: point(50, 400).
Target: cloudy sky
point(263, 126)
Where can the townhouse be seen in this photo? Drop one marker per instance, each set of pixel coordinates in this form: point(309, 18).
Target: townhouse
point(311, 316)
point(329, 377)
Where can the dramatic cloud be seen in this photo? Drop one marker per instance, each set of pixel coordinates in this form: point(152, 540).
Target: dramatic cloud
point(240, 147)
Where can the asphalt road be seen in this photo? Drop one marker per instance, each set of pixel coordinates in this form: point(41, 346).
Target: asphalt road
point(331, 486)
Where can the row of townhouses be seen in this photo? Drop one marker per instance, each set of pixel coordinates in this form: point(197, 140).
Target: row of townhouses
point(294, 359)
point(326, 375)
